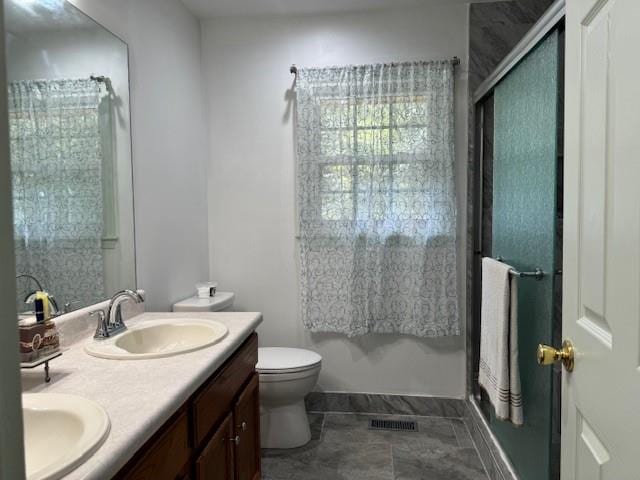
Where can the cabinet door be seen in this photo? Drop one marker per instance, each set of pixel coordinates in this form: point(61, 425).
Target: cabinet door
point(164, 457)
point(216, 460)
point(246, 417)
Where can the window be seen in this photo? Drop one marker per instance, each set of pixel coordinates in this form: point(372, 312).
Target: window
point(368, 148)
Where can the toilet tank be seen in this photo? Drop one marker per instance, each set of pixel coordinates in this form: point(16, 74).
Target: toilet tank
point(221, 301)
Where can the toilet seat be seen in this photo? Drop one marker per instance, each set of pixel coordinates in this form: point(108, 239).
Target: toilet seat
point(279, 360)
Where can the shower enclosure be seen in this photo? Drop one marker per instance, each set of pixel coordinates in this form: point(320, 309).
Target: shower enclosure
point(519, 219)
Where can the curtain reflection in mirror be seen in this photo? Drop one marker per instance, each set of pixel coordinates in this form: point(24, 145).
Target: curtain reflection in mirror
point(59, 177)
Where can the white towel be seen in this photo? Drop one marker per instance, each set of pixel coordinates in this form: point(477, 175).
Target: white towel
point(499, 371)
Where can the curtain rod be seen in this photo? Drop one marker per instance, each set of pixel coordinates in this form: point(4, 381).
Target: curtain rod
point(294, 70)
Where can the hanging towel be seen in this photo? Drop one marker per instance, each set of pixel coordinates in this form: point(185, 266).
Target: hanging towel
point(499, 372)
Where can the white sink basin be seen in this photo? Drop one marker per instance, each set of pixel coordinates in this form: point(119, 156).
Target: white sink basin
point(159, 338)
point(60, 433)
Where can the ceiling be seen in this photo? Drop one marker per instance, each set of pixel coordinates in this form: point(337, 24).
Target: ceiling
point(226, 8)
point(26, 16)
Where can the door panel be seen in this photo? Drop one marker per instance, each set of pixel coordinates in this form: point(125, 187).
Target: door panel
point(246, 416)
point(216, 460)
point(524, 234)
point(602, 241)
point(592, 455)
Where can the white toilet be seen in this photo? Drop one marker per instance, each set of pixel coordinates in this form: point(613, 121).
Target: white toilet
point(287, 375)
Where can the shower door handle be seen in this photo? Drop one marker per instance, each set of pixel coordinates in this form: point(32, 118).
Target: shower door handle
point(548, 355)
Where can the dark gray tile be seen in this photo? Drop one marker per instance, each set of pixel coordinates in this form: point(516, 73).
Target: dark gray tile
point(462, 433)
point(343, 448)
point(489, 452)
point(385, 404)
point(443, 463)
point(316, 421)
point(332, 461)
point(327, 402)
point(349, 429)
point(483, 449)
point(357, 462)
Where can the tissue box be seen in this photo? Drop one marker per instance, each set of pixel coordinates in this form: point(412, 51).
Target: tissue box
point(38, 340)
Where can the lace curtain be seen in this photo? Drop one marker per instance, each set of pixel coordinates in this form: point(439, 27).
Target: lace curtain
point(376, 199)
point(56, 165)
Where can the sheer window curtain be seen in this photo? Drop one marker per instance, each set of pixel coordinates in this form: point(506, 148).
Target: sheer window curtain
point(376, 199)
point(56, 168)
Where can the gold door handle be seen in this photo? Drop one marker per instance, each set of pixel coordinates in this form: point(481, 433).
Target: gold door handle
point(548, 355)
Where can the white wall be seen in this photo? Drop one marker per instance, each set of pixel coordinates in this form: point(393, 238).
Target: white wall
point(11, 450)
point(169, 142)
point(251, 181)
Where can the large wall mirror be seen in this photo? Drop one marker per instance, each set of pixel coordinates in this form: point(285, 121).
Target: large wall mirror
point(70, 144)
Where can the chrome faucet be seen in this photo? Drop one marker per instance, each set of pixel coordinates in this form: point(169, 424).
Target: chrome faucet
point(31, 297)
point(112, 323)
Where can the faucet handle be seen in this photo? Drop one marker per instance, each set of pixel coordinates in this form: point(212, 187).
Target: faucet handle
point(102, 331)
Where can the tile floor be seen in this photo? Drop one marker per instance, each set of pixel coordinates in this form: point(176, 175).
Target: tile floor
point(343, 448)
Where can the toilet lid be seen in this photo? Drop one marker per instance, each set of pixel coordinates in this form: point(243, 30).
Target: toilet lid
point(286, 360)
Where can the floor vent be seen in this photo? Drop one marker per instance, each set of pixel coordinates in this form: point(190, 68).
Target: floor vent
point(394, 425)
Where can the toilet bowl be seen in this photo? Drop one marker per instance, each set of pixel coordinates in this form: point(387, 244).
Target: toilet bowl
point(287, 375)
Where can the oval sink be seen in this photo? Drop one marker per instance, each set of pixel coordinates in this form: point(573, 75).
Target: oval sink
point(159, 338)
point(60, 433)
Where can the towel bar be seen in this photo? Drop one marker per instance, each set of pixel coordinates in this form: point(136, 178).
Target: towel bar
point(538, 274)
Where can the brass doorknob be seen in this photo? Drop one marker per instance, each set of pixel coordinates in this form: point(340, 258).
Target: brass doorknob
point(548, 355)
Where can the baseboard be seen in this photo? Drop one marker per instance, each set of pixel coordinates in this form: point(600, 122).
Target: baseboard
point(386, 404)
point(495, 460)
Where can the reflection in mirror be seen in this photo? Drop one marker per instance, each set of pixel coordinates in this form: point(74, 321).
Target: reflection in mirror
point(70, 155)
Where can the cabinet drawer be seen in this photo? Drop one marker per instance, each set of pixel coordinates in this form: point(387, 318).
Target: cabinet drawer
point(164, 457)
point(216, 398)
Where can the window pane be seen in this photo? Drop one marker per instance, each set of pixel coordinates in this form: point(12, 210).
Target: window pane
point(337, 178)
point(372, 112)
point(373, 177)
point(409, 140)
point(337, 206)
point(409, 176)
point(373, 142)
point(374, 206)
point(337, 143)
point(409, 111)
point(335, 113)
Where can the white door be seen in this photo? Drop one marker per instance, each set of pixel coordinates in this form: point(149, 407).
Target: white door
point(601, 313)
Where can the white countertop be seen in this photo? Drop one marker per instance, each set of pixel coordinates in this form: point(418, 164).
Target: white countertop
point(139, 395)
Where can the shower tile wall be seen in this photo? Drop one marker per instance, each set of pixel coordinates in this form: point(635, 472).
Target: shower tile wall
point(494, 29)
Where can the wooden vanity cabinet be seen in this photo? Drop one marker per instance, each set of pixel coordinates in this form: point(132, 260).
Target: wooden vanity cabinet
point(233, 453)
point(246, 419)
point(216, 462)
point(215, 435)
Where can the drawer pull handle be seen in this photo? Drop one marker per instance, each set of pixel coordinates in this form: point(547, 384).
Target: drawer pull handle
point(243, 426)
point(236, 440)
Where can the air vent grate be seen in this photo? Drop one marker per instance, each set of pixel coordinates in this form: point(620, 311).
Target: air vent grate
point(394, 425)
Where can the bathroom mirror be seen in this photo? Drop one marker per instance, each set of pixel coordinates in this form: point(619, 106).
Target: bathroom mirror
point(70, 143)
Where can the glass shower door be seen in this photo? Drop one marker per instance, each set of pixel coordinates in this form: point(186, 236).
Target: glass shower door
point(526, 123)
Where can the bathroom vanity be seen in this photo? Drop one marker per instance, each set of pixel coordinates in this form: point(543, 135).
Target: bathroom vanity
point(188, 416)
point(215, 434)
